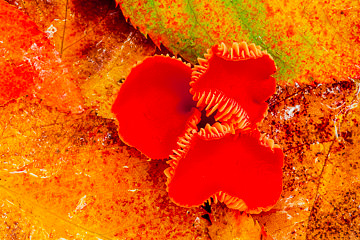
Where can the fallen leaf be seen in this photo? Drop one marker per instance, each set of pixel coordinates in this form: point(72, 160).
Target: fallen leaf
point(95, 41)
point(31, 65)
point(309, 40)
point(318, 129)
point(73, 177)
point(232, 224)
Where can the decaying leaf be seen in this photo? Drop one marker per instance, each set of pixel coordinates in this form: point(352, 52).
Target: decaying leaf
point(72, 176)
point(95, 40)
point(309, 40)
point(31, 65)
point(318, 129)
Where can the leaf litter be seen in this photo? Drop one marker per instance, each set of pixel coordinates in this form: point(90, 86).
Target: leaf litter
point(69, 176)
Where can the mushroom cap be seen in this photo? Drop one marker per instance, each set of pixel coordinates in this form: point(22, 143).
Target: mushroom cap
point(242, 73)
point(154, 105)
point(246, 166)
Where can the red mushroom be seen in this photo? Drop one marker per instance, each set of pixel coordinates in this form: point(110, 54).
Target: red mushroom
point(227, 159)
point(242, 74)
point(243, 170)
point(154, 105)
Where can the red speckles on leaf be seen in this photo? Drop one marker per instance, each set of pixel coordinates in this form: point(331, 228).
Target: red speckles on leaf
point(154, 104)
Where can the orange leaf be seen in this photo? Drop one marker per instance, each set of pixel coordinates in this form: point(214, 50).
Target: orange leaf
point(30, 64)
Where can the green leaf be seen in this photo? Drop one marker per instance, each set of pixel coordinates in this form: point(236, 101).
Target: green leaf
point(309, 40)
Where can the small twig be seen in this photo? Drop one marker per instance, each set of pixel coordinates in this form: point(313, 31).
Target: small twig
point(63, 34)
